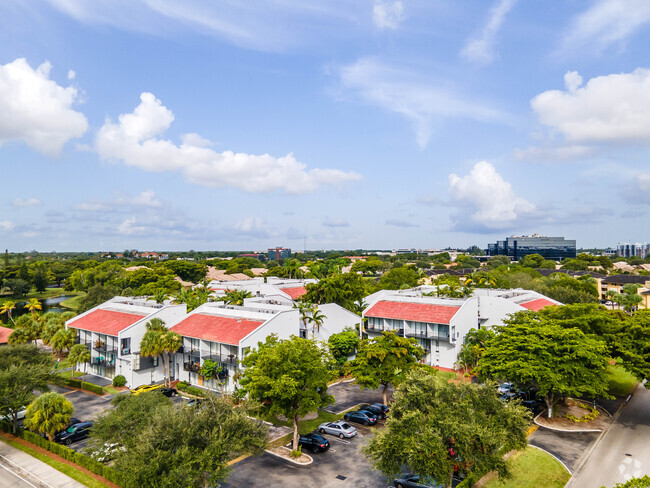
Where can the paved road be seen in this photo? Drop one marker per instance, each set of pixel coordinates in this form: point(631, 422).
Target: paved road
point(624, 451)
point(568, 447)
point(348, 394)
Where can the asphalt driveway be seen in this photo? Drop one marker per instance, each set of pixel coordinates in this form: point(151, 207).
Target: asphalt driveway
point(348, 394)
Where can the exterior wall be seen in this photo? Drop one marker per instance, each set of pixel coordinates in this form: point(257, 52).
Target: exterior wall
point(336, 319)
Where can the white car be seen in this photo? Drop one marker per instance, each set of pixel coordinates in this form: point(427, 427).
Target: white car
point(505, 388)
point(339, 428)
point(19, 416)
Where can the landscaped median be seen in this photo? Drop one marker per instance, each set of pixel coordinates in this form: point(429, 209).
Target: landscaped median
point(532, 468)
point(78, 466)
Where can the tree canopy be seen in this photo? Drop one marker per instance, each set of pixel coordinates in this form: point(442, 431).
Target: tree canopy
point(48, 414)
point(437, 427)
point(343, 289)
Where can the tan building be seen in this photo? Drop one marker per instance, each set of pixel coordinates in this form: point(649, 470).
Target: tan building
point(617, 282)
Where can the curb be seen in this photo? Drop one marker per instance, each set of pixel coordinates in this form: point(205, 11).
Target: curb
point(289, 459)
point(342, 381)
point(554, 457)
point(588, 454)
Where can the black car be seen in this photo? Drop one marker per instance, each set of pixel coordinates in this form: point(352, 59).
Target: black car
point(414, 481)
point(314, 442)
point(73, 421)
point(195, 402)
point(361, 417)
point(168, 392)
point(534, 406)
point(75, 433)
point(379, 409)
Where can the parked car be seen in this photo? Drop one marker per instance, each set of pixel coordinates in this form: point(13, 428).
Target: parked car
point(73, 421)
point(362, 417)
point(195, 402)
point(168, 392)
point(506, 388)
point(75, 433)
point(414, 481)
point(144, 388)
point(314, 442)
point(379, 409)
point(507, 396)
point(339, 428)
point(534, 406)
point(20, 416)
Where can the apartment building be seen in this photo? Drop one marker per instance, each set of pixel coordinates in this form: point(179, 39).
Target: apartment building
point(440, 324)
point(113, 332)
point(617, 282)
point(284, 290)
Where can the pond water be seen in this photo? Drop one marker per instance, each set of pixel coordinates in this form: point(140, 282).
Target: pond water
point(49, 305)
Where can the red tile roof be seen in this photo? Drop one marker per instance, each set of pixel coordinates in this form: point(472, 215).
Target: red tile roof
point(5, 332)
point(296, 292)
point(106, 322)
point(537, 305)
point(417, 312)
point(227, 330)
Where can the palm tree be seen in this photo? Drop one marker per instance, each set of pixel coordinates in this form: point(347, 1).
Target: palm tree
point(304, 309)
point(33, 304)
point(159, 296)
point(316, 319)
point(7, 307)
point(19, 336)
point(79, 353)
point(49, 414)
point(236, 297)
point(63, 339)
point(171, 342)
point(160, 341)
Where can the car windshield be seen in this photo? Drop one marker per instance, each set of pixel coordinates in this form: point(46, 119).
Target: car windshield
point(345, 426)
point(72, 429)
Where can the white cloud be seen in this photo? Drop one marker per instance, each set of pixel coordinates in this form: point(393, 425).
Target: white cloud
point(250, 224)
point(488, 198)
point(480, 48)
point(387, 15)
point(638, 190)
point(36, 110)
point(336, 223)
point(92, 207)
point(28, 202)
point(606, 22)
point(611, 108)
point(71, 74)
point(554, 154)
point(133, 140)
point(421, 101)
point(128, 227)
point(401, 223)
point(145, 199)
point(6, 225)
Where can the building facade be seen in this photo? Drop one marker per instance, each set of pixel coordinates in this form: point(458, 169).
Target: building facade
point(628, 250)
point(517, 247)
point(440, 324)
point(278, 253)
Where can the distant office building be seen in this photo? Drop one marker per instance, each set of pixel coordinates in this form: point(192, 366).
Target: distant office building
point(254, 255)
point(628, 250)
point(517, 247)
point(279, 253)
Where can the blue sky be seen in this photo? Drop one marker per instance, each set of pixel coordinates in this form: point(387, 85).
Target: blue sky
point(189, 124)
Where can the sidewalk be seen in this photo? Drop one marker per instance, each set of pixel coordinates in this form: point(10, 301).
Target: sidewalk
point(33, 471)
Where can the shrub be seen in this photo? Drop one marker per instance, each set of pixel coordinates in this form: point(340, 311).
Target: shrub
point(297, 452)
point(590, 416)
point(119, 380)
point(93, 388)
point(73, 383)
point(183, 386)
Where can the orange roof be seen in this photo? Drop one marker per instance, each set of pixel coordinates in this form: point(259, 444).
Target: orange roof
point(106, 322)
point(5, 332)
point(296, 292)
point(537, 305)
point(417, 312)
point(227, 330)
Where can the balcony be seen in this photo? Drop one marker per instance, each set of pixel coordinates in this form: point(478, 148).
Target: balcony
point(102, 348)
point(220, 358)
point(144, 362)
point(100, 361)
point(125, 351)
point(374, 328)
point(427, 335)
point(192, 367)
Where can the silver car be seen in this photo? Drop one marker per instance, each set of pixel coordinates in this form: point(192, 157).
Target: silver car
point(339, 428)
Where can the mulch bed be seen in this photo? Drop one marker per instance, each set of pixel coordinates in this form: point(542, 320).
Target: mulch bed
point(56, 457)
point(559, 421)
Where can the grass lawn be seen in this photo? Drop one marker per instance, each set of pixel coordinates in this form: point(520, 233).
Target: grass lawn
point(66, 469)
point(448, 375)
point(49, 293)
point(304, 426)
point(532, 468)
point(73, 303)
point(620, 381)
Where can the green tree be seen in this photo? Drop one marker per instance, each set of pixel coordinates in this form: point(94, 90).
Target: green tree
point(8, 307)
point(343, 289)
point(642, 482)
point(385, 360)
point(398, 278)
point(473, 347)
point(18, 286)
point(343, 345)
point(236, 296)
point(438, 426)
point(557, 361)
point(316, 319)
point(96, 295)
point(79, 353)
point(63, 339)
point(48, 414)
point(288, 377)
point(158, 340)
point(159, 296)
point(169, 446)
point(24, 369)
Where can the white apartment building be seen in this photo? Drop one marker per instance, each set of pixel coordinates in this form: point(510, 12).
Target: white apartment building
point(113, 332)
point(281, 289)
point(440, 324)
point(225, 333)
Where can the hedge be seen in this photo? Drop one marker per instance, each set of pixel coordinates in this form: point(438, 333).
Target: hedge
point(93, 388)
point(66, 453)
point(182, 386)
point(74, 383)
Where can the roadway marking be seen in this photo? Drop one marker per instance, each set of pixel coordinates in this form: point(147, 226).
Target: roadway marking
point(630, 465)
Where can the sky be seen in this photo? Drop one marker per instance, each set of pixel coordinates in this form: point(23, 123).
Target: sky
point(325, 124)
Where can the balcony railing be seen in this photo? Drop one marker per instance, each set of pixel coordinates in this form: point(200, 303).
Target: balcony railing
point(220, 358)
point(191, 367)
point(104, 349)
point(103, 362)
point(427, 335)
point(125, 351)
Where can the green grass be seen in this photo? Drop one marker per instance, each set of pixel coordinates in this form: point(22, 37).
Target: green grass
point(448, 375)
point(621, 383)
point(49, 293)
point(73, 303)
point(532, 468)
point(64, 468)
point(304, 426)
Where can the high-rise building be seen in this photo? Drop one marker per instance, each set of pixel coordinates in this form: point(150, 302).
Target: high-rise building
point(278, 253)
point(517, 247)
point(628, 250)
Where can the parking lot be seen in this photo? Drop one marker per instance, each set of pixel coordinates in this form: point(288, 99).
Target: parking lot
point(342, 465)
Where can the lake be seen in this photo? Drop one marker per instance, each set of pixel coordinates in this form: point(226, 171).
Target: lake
point(49, 305)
